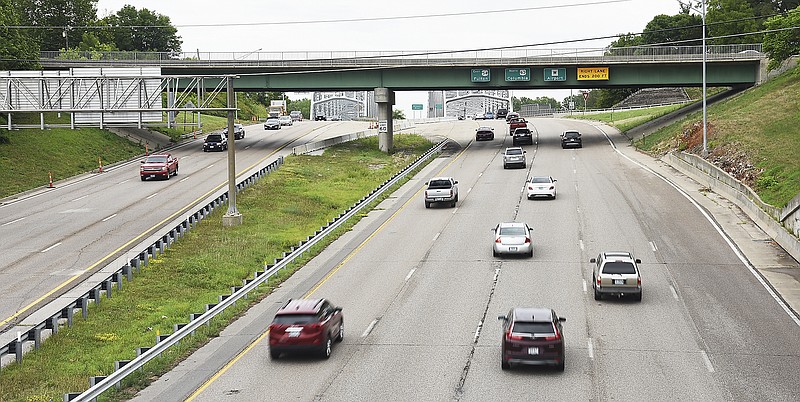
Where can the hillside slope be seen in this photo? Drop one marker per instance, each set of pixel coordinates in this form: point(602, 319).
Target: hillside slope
point(754, 136)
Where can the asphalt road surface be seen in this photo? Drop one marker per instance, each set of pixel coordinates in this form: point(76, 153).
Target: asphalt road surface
point(421, 294)
point(54, 238)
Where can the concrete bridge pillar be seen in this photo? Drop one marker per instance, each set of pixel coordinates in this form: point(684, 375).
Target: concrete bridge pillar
point(384, 97)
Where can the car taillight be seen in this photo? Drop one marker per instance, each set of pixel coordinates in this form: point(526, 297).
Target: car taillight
point(598, 281)
point(426, 193)
point(314, 327)
point(555, 337)
point(527, 240)
point(639, 281)
point(497, 240)
point(530, 187)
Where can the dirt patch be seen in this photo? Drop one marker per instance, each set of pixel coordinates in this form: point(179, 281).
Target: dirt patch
point(728, 157)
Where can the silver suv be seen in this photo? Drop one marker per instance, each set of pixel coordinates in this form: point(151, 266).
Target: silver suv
point(616, 273)
point(514, 156)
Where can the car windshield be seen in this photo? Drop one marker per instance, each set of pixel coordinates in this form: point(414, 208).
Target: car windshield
point(540, 180)
point(294, 319)
point(514, 151)
point(618, 267)
point(157, 159)
point(214, 138)
point(272, 121)
point(512, 231)
point(571, 134)
point(439, 184)
point(527, 327)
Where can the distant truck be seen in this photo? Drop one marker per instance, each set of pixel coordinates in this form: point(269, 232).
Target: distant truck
point(296, 115)
point(515, 124)
point(277, 108)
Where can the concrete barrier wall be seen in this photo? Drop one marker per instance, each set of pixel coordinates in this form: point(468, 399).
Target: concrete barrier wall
point(315, 146)
point(783, 225)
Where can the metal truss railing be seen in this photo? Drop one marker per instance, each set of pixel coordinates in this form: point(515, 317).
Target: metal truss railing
point(103, 100)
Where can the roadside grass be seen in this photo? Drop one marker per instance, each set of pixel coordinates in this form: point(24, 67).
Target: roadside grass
point(760, 123)
point(625, 120)
point(29, 155)
point(279, 211)
point(210, 123)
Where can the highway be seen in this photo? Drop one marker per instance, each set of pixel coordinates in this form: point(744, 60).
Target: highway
point(421, 293)
point(54, 238)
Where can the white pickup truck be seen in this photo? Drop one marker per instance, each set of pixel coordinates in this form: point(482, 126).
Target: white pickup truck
point(441, 189)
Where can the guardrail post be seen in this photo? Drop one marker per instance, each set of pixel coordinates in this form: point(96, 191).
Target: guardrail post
point(128, 272)
point(107, 285)
point(95, 295)
point(84, 307)
point(118, 279)
point(118, 365)
point(16, 347)
point(68, 313)
point(37, 336)
point(52, 324)
point(70, 396)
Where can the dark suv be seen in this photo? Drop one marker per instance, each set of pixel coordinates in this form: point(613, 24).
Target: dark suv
point(571, 139)
point(215, 142)
point(532, 336)
point(522, 136)
point(306, 325)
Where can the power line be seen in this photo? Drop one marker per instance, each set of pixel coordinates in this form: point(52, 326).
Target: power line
point(331, 21)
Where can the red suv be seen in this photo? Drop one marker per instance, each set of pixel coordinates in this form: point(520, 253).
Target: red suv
point(306, 325)
point(532, 336)
point(159, 165)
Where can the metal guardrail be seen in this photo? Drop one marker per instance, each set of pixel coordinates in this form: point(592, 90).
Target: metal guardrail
point(123, 369)
point(534, 55)
point(105, 286)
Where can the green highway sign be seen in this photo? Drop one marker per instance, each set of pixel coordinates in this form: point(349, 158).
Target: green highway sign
point(416, 106)
point(481, 75)
point(518, 74)
point(555, 74)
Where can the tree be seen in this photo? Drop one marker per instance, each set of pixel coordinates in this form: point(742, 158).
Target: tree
point(141, 30)
point(18, 49)
point(398, 114)
point(781, 45)
point(682, 29)
point(729, 17)
point(629, 40)
point(303, 105)
point(66, 16)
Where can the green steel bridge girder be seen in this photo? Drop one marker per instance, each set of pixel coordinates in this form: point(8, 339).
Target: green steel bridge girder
point(637, 75)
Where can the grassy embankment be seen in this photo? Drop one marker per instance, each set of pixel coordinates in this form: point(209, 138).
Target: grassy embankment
point(279, 211)
point(29, 155)
point(759, 125)
point(625, 120)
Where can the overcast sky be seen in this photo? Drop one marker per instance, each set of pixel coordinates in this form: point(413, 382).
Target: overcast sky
point(271, 25)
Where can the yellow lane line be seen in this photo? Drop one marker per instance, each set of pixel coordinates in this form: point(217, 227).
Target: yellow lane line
point(143, 234)
point(261, 337)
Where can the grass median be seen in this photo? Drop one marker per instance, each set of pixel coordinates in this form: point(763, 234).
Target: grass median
point(279, 211)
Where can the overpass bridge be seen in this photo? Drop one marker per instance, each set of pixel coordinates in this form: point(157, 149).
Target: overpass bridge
point(386, 72)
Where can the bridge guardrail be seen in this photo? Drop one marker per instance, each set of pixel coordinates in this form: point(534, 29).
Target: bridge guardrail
point(123, 369)
point(424, 58)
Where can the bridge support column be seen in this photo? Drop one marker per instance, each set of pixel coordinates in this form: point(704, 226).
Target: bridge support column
point(384, 97)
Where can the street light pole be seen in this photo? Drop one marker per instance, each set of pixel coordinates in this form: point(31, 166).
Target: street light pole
point(705, 116)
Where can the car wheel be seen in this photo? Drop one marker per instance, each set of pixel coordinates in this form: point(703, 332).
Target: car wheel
point(341, 332)
point(326, 348)
point(505, 166)
point(453, 204)
point(456, 199)
point(560, 366)
point(427, 204)
point(274, 354)
point(597, 295)
point(530, 254)
point(169, 176)
point(176, 170)
point(638, 297)
point(505, 365)
point(494, 253)
point(524, 165)
point(143, 178)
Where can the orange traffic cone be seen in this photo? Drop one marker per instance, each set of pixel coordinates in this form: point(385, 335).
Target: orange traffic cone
point(146, 149)
point(51, 179)
point(100, 161)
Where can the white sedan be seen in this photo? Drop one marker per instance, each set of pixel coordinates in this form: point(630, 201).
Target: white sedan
point(512, 238)
point(541, 186)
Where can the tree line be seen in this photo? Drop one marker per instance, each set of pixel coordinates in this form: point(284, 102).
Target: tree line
point(28, 27)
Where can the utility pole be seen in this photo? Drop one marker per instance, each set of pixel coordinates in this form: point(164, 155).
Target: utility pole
point(232, 217)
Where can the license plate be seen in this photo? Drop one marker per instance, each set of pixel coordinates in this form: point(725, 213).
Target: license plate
point(439, 199)
point(619, 281)
point(533, 351)
point(512, 249)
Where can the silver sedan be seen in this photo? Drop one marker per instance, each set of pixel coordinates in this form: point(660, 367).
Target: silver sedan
point(512, 238)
